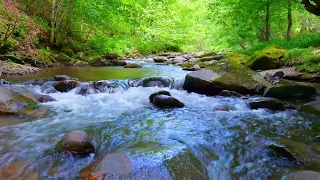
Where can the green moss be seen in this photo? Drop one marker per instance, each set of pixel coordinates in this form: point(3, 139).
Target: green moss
point(187, 65)
point(94, 59)
point(58, 147)
point(68, 51)
point(269, 58)
point(63, 58)
point(239, 58)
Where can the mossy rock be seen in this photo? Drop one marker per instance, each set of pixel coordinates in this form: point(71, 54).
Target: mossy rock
point(63, 58)
point(68, 51)
point(95, 60)
point(269, 58)
point(229, 75)
point(13, 103)
point(240, 58)
point(311, 108)
point(291, 89)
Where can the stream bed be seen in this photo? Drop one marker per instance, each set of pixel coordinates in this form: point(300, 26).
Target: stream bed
point(229, 145)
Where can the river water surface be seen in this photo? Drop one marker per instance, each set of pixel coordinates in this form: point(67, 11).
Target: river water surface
point(229, 145)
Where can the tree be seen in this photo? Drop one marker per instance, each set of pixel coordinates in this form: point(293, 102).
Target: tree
point(289, 31)
point(313, 6)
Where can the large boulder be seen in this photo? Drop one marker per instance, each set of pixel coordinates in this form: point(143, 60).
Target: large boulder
point(76, 142)
point(311, 108)
point(65, 86)
point(165, 101)
point(268, 58)
point(290, 89)
point(228, 76)
point(114, 165)
point(303, 175)
point(226, 93)
point(12, 102)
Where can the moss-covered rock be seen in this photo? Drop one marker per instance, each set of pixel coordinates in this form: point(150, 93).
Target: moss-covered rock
point(229, 75)
point(63, 58)
point(81, 63)
point(68, 51)
point(268, 58)
point(12, 102)
point(311, 108)
point(290, 89)
point(296, 152)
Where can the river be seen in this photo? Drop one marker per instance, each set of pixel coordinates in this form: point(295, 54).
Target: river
point(229, 145)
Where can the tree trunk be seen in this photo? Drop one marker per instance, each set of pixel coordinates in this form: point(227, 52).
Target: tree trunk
point(53, 23)
point(69, 18)
point(268, 21)
point(313, 8)
point(289, 20)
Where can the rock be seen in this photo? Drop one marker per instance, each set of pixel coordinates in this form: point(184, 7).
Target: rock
point(38, 82)
point(152, 82)
point(210, 58)
point(271, 103)
point(311, 108)
point(12, 102)
point(117, 63)
point(45, 99)
point(76, 142)
point(134, 66)
point(86, 88)
point(111, 56)
point(203, 54)
point(268, 58)
point(158, 93)
point(289, 89)
point(68, 51)
point(193, 68)
point(296, 152)
point(61, 78)
point(65, 86)
point(185, 165)
point(303, 175)
point(81, 63)
point(231, 76)
point(114, 165)
point(97, 61)
point(179, 60)
point(221, 108)
point(63, 58)
point(11, 68)
point(165, 101)
point(4, 82)
point(226, 93)
point(160, 59)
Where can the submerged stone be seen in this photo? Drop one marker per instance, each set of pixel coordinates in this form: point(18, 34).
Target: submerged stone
point(76, 142)
point(114, 165)
point(303, 175)
point(186, 165)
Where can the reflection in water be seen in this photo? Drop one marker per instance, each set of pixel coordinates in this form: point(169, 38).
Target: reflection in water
point(104, 73)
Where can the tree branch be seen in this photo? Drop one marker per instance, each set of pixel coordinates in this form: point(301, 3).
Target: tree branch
point(312, 8)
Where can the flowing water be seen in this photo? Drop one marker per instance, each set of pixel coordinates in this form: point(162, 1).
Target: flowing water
point(230, 145)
